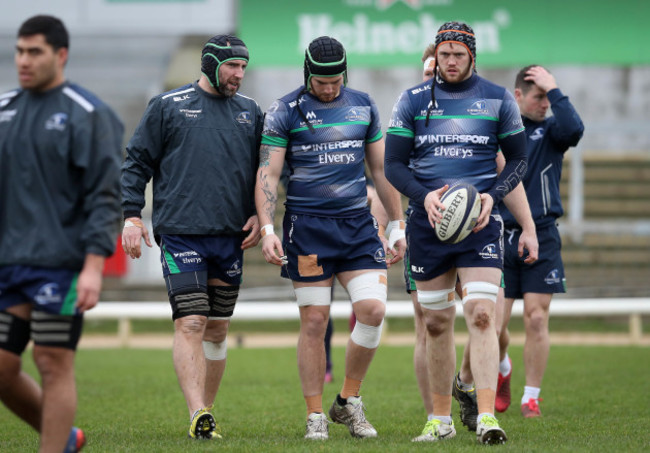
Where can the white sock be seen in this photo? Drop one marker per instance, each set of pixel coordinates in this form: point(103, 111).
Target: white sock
point(504, 366)
point(430, 417)
point(530, 392)
point(480, 416)
point(443, 419)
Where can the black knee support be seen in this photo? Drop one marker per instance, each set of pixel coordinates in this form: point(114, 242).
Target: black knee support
point(56, 330)
point(14, 333)
point(222, 300)
point(188, 294)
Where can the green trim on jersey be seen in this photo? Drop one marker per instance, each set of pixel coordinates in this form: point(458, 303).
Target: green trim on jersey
point(401, 131)
point(70, 300)
point(274, 141)
point(511, 133)
point(173, 267)
point(375, 138)
point(448, 117)
point(318, 126)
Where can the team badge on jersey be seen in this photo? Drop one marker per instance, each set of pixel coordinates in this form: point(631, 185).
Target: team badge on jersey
point(478, 108)
point(537, 134)
point(244, 117)
point(57, 122)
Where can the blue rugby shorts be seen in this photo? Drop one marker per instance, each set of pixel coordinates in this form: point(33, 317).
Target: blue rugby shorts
point(430, 258)
point(544, 276)
point(318, 248)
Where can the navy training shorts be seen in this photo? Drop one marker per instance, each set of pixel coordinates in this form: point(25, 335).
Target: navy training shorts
point(49, 290)
point(430, 258)
point(318, 248)
point(544, 276)
point(221, 256)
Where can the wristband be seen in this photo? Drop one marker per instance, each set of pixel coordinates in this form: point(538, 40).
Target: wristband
point(133, 223)
point(267, 229)
point(396, 230)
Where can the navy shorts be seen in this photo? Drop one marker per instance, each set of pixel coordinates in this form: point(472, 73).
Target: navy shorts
point(430, 258)
point(544, 276)
point(318, 248)
point(220, 256)
point(49, 290)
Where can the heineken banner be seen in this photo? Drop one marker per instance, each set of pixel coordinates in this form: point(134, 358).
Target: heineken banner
point(384, 33)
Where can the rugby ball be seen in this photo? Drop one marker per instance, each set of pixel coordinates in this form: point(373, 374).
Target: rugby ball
point(462, 208)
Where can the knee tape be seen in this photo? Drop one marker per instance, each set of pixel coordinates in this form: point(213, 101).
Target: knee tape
point(215, 351)
point(437, 300)
point(222, 301)
point(191, 303)
point(56, 330)
point(480, 290)
point(370, 285)
point(14, 333)
point(313, 295)
point(365, 335)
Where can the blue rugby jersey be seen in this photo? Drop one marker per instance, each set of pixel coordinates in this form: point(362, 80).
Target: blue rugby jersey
point(467, 123)
point(326, 165)
point(547, 141)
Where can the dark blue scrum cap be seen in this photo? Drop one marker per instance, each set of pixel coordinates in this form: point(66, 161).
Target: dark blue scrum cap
point(325, 57)
point(217, 50)
point(459, 33)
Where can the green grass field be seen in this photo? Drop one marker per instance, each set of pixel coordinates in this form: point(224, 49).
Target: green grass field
point(595, 399)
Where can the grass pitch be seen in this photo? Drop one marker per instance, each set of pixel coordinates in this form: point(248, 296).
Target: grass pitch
point(595, 399)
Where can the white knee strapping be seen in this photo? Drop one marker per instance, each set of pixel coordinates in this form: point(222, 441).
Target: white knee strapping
point(480, 290)
point(365, 335)
point(370, 285)
point(436, 300)
point(313, 295)
point(215, 351)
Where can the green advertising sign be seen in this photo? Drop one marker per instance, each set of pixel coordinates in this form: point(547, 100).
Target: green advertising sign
point(381, 33)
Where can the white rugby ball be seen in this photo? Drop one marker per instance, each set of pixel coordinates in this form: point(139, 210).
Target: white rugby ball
point(462, 208)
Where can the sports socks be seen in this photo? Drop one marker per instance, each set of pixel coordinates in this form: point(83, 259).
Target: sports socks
point(530, 392)
point(504, 366)
point(443, 419)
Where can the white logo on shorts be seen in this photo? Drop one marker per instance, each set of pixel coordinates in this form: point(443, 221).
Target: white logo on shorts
point(380, 256)
point(48, 294)
point(235, 269)
point(552, 277)
point(489, 252)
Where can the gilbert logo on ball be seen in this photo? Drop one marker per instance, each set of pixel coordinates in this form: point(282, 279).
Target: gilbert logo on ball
point(462, 208)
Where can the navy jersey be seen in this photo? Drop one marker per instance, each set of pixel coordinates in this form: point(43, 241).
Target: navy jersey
point(326, 163)
point(201, 150)
point(547, 141)
point(462, 138)
point(60, 153)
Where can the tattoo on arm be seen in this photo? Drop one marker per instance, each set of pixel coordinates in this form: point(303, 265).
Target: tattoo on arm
point(265, 155)
point(271, 196)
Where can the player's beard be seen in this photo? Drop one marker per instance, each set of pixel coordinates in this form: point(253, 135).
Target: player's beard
point(226, 89)
point(459, 77)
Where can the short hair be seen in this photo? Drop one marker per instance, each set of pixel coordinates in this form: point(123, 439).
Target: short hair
point(430, 51)
point(56, 35)
point(521, 83)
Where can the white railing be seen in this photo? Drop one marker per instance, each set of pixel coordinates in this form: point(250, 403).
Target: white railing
point(124, 312)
